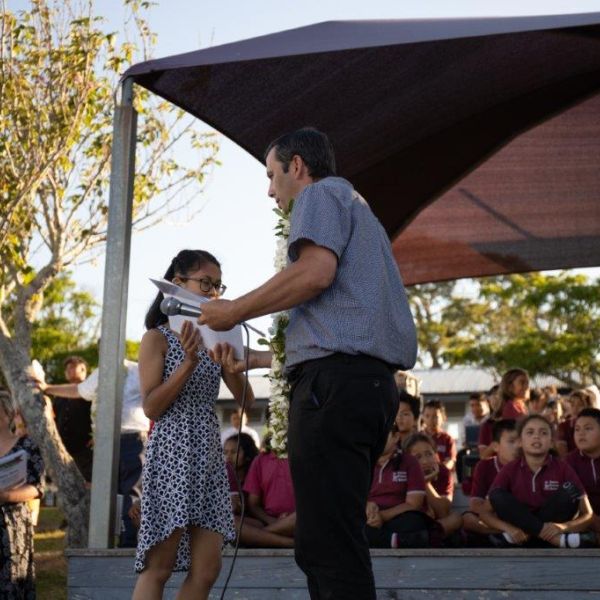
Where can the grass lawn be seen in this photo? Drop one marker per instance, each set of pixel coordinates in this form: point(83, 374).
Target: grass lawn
point(50, 563)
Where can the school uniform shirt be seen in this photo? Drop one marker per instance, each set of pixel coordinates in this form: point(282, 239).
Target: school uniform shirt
point(444, 445)
point(269, 478)
point(399, 476)
point(514, 410)
point(588, 471)
point(443, 484)
point(483, 476)
point(485, 432)
point(566, 433)
point(535, 488)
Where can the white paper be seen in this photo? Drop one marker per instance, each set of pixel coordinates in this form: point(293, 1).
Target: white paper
point(13, 470)
point(210, 338)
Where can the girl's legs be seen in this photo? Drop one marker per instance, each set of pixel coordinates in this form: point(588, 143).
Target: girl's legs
point(509, 509)
point(283, 526)
point(160, 561)
point(450, 523)
point(205, 548)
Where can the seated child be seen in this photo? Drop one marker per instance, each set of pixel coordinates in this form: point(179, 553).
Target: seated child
point(268, 497)
point(538, 497)
point(246, 453)
point(271, 494)
point(585, 459)
point(577, 401)
point(434, 417)
point(394, 516)
point(505, 444)
point(484, 444)
point(514, 391)
point(407, 416)
point(439, 486)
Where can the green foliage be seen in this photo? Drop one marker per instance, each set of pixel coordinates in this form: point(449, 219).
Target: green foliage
point(59, 70)
point(546, 324)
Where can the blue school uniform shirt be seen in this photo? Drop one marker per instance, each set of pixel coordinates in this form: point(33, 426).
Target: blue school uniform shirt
point(365, 309)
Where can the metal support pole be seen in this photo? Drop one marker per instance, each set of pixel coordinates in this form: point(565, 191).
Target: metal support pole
point(114, 309)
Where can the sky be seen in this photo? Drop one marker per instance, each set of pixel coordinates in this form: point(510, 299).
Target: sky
point(236, 223)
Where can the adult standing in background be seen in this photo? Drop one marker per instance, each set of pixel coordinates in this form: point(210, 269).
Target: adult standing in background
point(73, 419)
point(350, 327)
point(134, 433)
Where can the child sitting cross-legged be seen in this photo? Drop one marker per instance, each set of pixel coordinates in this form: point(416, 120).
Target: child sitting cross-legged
point(585, 459)
point(434, 417)
point(506, 448)
point(538, 498)
point(394, 516)
point(439, 487)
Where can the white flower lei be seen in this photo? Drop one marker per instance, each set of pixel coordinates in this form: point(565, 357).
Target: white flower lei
point(279, 398)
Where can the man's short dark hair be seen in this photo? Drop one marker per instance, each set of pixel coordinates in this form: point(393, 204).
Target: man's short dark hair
point(502, 425)
point(75, 360)
point(311, 145)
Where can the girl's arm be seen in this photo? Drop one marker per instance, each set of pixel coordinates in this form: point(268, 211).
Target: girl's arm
point(256, 510)
point(235, 383)
point(21, 494)
point(580, 523)
point(412, 502)
point(439, 504)
point(157, 395)
point(489, 517)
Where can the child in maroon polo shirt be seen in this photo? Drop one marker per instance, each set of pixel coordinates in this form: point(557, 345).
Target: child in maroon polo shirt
point(577, 401)
point(271, 493)
point(434, 417)
point(407, 417)
point(538, 497)
point(439, 485)
point(506, 449)
point(585, 459)
point(394, 517)
point(514, 391)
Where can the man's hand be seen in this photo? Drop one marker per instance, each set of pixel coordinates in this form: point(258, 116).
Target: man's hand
point(223, 354)
point(219, 315)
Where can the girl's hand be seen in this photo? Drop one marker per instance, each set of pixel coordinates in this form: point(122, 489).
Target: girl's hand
point(433, 475)
point(191, 342)
point(518, 535)
point(549, 530)
point(373, 515)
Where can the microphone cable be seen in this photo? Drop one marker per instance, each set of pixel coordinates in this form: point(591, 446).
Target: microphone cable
point(237, 452)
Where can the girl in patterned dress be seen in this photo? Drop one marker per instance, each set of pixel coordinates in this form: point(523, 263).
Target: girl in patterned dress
point(186, 513)
point(17, 575)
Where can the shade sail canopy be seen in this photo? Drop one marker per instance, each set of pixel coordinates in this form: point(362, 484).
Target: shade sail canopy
point(475, 141)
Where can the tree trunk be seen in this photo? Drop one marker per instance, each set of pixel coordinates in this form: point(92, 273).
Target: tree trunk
point(73, 498)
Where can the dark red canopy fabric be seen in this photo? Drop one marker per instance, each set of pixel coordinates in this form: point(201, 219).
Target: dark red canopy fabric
point(475, 141)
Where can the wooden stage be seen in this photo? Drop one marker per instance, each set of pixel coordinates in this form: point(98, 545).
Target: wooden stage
point(441, 574)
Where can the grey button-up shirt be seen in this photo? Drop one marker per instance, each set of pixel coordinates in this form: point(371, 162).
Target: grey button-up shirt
point(365, 310)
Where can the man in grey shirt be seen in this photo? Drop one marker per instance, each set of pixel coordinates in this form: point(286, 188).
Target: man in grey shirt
point(350, 327)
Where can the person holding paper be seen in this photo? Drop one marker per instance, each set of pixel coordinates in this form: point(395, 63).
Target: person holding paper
point(350, 327)
point(186, 512)
point(17, 573)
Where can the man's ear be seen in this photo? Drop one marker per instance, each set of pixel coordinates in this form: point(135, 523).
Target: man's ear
point(297, 166)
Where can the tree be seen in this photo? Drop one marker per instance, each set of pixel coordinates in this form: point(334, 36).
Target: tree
point(59, 69)
point(546, 324)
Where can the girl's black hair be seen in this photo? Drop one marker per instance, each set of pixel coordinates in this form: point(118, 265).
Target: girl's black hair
point(248, 447)
point(185, 262)
point(415, 438)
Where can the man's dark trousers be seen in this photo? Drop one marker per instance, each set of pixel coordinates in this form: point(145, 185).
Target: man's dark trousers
point(131, 462)
point(342, 408)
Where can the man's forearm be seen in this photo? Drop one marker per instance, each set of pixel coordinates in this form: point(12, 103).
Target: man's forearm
point(299, 282)
point(64, 390)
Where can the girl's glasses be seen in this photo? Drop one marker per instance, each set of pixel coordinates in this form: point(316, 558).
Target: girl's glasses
point(206, 284)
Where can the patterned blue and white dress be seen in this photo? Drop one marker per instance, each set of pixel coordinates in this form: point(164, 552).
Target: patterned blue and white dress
point(184, 480)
